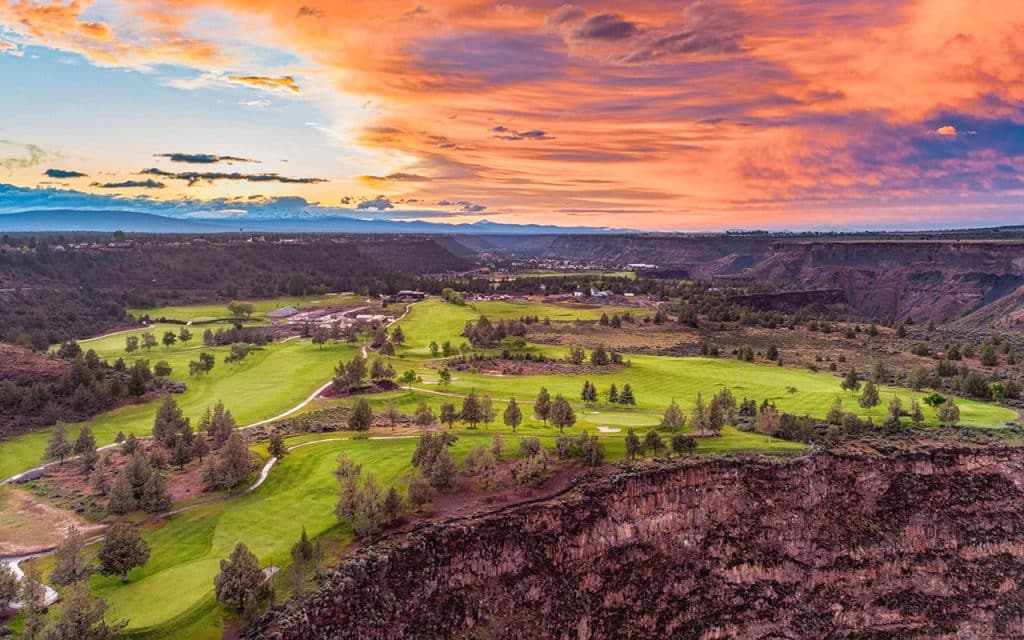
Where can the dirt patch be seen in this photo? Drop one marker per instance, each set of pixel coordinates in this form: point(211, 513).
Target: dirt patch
point(377, 387)
point(65, 487)
point(515, 367)
point(29, 524)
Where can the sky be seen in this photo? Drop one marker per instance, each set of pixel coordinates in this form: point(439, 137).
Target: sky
point(689, 115)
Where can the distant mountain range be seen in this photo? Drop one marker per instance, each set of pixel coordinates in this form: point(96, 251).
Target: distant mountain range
point(68, 220)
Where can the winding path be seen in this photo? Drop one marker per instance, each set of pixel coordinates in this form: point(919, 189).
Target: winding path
point(52, 596)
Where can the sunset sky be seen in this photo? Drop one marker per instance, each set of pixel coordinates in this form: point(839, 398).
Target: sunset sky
point(700, 114)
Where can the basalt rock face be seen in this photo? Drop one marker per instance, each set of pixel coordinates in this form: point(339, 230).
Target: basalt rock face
point(922, 544)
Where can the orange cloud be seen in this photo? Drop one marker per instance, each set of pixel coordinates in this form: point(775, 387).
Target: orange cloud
point(286, 83)
point(710, 114)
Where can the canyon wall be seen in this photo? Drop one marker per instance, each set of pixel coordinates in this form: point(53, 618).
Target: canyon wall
point(938, 280)
point(898, 544)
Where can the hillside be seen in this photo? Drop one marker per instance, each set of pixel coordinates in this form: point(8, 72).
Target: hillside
point(888, 544)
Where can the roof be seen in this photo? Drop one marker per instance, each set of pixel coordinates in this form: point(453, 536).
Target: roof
point(284, 311)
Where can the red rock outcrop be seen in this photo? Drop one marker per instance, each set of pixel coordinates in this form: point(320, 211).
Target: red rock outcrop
point(924, 543)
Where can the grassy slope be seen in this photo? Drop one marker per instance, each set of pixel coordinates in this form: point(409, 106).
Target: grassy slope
point(213, 311)
point(656, 380)
point(268, 382)
point(171, 596)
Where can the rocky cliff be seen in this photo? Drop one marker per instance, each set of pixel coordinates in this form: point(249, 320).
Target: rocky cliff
point(900, 544)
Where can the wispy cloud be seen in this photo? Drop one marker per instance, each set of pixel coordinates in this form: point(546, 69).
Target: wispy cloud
point(201, 158)
point(63, 173)
point(283, 83)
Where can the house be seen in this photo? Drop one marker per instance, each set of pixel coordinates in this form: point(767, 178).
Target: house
point(283, 312)
point(597, 293)
point(407, 295)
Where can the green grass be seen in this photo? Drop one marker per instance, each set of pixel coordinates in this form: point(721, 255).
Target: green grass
point(267, 383)
point(171, 597)
point(656, 380)
point(438, 321)
point(201, 312)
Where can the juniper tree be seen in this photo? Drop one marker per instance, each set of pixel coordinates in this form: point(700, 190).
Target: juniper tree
point(561, 413)
point(424, 416)
point(239, 579)
point(654, 443)
point(869, 396)
point(449, 414)
point(513, 416)
point(633, 445)
point(276, 447)
point(122, 550)
point(361, 417)
point(673, 417)
point(155, 497)
point(59, 446)
point(542, 405)
point(613, 394)
point(70, 566)
point(122, 497)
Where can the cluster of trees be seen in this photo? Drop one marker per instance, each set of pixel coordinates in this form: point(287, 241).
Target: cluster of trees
point(599, 356)
point(86, 386)
point(558, 411)
point(434, 465)
point(139, 486)
point(230, 466)
point(588, 448)
point(362, 503)
point(80, 615)
point(203, 364)
point(653, 444)
point(484, 334)
point(231, 335)
point(625, 397)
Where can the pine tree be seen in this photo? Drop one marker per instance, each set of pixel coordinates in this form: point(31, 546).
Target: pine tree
point(138, 471)
point(869, 397)
point(633, 446)
point(471, 412)
point(626, 397)
point(79, 616)
point(122, 550)
point(201, 448)
point(673, 418)
point(916, 415)
point(32, 595)
point(424, 416)
point(448, 414)
point(239, 578)
point(835, 412)
point(542, 405)
point(851, 382)
point(442, 471)
point(155, 497)
point(562, 415)
point(70, 566)
point(122, 497)
point(303, 548)
point(277, 448)
point(361, 417)
point(613, 394)
point(182, 453)
point(86, 442)
point(169, 422)
point(699, 417)
point(513, 416)
point(654, 443)
point(235, 461)
point(58, 446)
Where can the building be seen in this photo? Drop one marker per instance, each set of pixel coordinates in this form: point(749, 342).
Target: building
point(283, 312)
point(407, 295)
